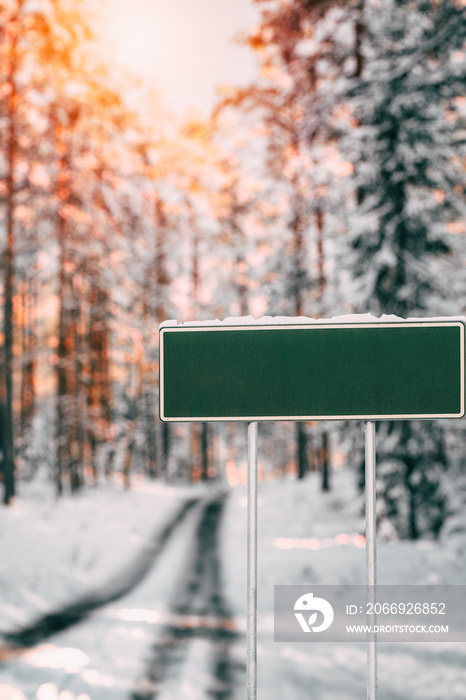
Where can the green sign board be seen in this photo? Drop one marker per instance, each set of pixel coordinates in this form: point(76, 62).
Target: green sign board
point(312, 371)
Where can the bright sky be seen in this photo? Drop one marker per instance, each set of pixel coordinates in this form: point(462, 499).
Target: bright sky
point(184, 47)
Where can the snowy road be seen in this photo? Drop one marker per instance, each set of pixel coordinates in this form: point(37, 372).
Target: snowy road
point(170, 636)
point(199, 613)
point(180, 632)
point(72, 613)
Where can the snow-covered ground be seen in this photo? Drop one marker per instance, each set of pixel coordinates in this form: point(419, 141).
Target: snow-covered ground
point(52, 552)
point(315, 527)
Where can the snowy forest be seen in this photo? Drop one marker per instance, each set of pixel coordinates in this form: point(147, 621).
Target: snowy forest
point(332, 184)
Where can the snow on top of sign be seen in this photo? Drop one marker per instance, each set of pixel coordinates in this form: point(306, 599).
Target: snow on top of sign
point(294, 320)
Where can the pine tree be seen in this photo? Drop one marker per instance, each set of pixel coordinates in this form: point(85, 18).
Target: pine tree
point(405, 151)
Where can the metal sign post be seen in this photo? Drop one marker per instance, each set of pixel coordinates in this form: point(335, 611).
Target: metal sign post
point(371, 560)
point(251, 632)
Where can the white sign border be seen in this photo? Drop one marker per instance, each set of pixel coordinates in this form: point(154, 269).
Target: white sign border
point(322, 325)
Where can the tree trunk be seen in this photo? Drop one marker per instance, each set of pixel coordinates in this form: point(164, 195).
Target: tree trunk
point(165, 446)
point(195, 452)
point(161, 282)
point(321, 286)
point(9, 263)
point(359, 31)
point(203, 436)
point(74, 389)
point(61, 422)
point(63, 456)
point(151, 438)
point(28, 392)
point(321, 279)
point(148, 379)
point(128, 461)
point(99, 390)
point(204, 451)
point(413, 530)
point(325, 462)
point(301, 440)
point(297, 226)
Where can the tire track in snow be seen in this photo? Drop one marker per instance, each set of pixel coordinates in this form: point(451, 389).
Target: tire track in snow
point(121, 584)
point(198, 611)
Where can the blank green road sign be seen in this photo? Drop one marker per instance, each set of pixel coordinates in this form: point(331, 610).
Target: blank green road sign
point(322, 371)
